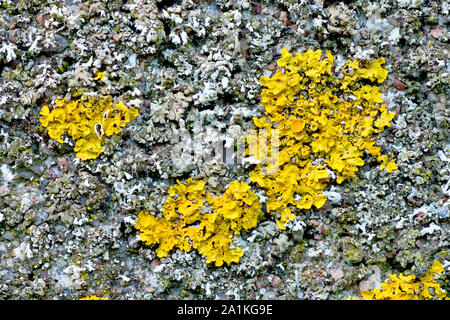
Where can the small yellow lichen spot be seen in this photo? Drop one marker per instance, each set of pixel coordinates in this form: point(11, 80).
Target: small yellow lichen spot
point(391, 166)
point(87, 122)
point(99, 75)
point(94, 297)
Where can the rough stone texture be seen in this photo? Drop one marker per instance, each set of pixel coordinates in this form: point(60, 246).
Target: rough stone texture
point(192, 69)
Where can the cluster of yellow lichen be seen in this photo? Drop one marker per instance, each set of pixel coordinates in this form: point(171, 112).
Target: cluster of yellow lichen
point(316, 121)
point(400, 287)
point(87, 122)
point(94, 297)
point(192, 218)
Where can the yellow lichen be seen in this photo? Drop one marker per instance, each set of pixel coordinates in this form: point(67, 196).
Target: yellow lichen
point(316, 126)
point(400, 287)
point(99, 75)
point(322, 123)
point(87, 122)
point(94, 297)
point(191, 218)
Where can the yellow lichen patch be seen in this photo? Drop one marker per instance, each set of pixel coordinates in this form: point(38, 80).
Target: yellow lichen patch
point(322, 121)
point(400, 287)
point(180, 214)
point(94, 297)
point(99, 76)
point(238, 208)
point(87, 122)
point(191, 218)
